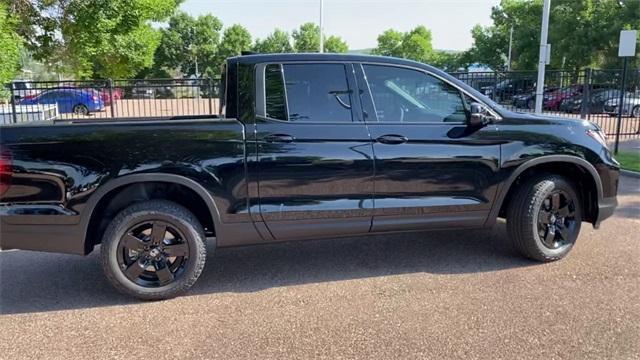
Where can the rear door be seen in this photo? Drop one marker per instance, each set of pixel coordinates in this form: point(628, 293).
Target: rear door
point(432, 169)
point(315, 160)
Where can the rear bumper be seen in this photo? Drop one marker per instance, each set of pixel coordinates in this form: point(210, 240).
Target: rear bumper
point(21, 228)
point(606, 207)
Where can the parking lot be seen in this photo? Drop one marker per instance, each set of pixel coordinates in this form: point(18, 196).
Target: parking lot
point(417, 295)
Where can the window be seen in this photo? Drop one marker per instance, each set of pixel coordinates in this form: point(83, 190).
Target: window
point(405, 95)
point(308, 92)
point(274, 90)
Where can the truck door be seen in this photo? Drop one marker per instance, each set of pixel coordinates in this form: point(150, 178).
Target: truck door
point(315, 160)
point(432, 169)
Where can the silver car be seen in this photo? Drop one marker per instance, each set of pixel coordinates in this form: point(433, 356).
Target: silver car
point(631, 106)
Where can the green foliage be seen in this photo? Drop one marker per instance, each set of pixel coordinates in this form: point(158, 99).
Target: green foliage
point(188, 39)
point(277, 42)
point(306, 38)
point(582, 33)
point(10, 43)
point(235, 40)
point(334, 44)
point(93, 38)
point(416, 45)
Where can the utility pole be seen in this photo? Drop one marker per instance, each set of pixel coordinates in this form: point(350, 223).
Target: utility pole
point(321, 26)
point(542, 60)
point(510, 47)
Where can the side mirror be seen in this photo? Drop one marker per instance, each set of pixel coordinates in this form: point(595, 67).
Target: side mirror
point(479, 116)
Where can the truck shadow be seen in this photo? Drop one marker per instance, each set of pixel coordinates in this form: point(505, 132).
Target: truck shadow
point(39, 282)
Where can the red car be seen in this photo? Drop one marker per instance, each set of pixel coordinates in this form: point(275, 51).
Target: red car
point(553, 99)
point(105, 95)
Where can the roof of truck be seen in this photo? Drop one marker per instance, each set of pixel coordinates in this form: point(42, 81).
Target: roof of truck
point(261, 58)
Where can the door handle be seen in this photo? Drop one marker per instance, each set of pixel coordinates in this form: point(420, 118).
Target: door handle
point(278, 138)
point(392, 139)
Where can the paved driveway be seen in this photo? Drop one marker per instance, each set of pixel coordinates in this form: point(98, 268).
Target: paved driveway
point(427, 295)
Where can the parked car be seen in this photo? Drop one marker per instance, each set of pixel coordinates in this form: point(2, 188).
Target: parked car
point(596, 103)
point(150, 90)
point(631, 106)
point(23, 89)
point(106, 94)
point(506, 89)
point(306, 146)
point(69, 100)
point(528, 100)
point(553, 99)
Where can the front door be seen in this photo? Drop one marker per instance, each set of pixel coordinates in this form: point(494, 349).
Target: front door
point(315, 161)
point(432, 170)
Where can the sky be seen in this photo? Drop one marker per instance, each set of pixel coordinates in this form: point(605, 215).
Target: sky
point(358, 22)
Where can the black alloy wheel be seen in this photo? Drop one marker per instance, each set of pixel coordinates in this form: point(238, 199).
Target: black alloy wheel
point(556, 220)
point(153, 250)
point(153, 253)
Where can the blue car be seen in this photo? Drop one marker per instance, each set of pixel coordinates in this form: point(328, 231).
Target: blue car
point(77, 101)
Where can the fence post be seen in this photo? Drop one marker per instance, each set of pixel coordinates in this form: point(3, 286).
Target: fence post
point(586, 88)
point(495, 85)
point(210, 84)
point(113, 101)
point(621, 104)
point(13, 103)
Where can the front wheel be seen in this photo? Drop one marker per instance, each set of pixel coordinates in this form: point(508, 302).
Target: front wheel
point(153, 250)
point(544, 218)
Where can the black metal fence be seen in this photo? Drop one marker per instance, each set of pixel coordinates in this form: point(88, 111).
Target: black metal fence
point(98, 99)
point(588, 94)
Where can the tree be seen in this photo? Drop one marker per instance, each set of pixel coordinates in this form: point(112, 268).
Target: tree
point(10, 43)
point(277, 42)
point(235, 40)
point(389, 44)
point(334, 44)
point(187, 40)
point(582, 33)
point(306, 38)
point(414, 45)
point(93, 38)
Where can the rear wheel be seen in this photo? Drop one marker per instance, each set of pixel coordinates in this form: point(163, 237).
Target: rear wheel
point(81, 109)
point(153, 250)
point(636, 111)
point(544, 218)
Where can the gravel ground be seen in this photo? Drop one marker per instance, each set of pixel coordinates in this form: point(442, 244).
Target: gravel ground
point(422, 295)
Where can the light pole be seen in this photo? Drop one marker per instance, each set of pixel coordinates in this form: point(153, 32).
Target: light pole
point(510, 47)
point(321, 26)
point(542, 60)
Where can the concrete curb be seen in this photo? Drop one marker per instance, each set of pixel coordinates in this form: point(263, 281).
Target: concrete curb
point(633, 174)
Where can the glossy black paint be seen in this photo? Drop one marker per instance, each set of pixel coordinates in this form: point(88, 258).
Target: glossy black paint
point(265, 180)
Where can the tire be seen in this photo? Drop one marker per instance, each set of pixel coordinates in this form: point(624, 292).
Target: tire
point(544, 218)
point(635, 112)
point(153, 250)
point(531, 104)
point(81, 109)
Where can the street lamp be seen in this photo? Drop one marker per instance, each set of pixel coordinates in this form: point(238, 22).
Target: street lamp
point(544, 55)
point(321, 26)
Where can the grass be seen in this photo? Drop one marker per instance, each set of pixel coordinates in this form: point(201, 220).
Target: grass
point(629, 160)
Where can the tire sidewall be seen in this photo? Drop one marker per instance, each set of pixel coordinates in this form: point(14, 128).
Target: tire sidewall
point(130, 217)
point(550, 186)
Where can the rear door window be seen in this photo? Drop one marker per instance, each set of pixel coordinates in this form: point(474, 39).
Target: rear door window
point(308, 92)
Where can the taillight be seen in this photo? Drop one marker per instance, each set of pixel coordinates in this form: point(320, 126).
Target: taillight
point(95, 98)
point(6, 171)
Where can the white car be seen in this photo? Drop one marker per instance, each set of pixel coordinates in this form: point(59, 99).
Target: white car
point(23, 89)
point(631, 107)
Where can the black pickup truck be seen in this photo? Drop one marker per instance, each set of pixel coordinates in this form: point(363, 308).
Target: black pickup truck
point(306, 146)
